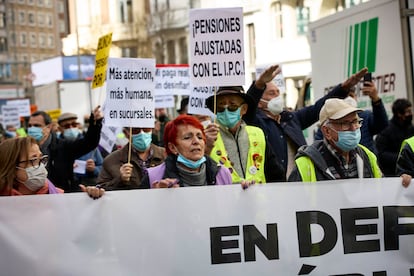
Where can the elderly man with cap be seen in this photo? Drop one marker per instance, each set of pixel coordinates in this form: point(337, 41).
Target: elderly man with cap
point(241, 148)
point(339, 155)
point(69, 127)
point(63, 152)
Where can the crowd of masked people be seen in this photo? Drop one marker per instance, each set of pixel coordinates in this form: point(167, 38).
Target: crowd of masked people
point(253, 139)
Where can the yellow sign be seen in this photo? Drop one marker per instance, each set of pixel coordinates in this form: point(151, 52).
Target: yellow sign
point(54, 113)
point(101, 60)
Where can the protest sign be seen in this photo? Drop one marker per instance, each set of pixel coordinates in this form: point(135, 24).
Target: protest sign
point(216, 47)
point(129, 92)
point(197, 101)
point(101, 60)
point(10, 116)
point(172, 79)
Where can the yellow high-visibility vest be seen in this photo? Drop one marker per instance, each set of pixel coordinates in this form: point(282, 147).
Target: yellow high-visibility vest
point(307, 168)
point(255, 158)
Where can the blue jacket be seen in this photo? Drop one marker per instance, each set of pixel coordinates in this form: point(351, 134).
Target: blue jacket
point(292, 123)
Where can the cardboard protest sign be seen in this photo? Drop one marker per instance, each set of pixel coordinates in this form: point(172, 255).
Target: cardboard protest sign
point(172, 79)
point(101, 60)
point(130, 92)
point(216, 47)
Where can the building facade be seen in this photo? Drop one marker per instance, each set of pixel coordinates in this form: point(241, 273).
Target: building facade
point(30, 30)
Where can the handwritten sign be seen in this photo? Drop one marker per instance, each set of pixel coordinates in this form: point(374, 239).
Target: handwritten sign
point(101, 60)
point(129, 92)
point(216, 47)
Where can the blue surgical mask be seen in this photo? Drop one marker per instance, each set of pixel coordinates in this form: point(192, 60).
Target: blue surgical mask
point(229, 118)
point(348, 140)
point(71, 133)
point(142, 140)
point(35, 132)
point(190, 163)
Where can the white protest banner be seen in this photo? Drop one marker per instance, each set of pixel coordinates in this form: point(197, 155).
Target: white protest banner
point(279, 80)
point(216, 47)
point(10, 116)
point(340, 227)
point(129, 98)
point(197, 101)
point(172, 79)
point(164, 101)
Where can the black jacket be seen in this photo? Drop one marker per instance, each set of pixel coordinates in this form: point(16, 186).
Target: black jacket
point(388, 144)
point(62, 153)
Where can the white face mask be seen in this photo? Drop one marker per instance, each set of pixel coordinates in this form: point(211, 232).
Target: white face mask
point(275, 105)
point(36, 177)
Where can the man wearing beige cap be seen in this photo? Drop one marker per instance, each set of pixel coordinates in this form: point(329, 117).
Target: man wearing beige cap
point(338, 155)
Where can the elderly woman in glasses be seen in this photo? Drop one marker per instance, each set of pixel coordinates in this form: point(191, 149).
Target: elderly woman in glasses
point(23, 170)
point(186, 164)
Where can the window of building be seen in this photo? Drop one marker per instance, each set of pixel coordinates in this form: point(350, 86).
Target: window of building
point(183, 50)
point(22, 17)
point(252, 43)
point(51, 41)
point(12, 17)
point(2, 19)
point(171, 51)
point(302, 19)
point(31, 18)
point(40, 3)
point(33, 58)
point(129, 52)
point(22, 1)
point(42, 40)
point(126, 14)
point(278, 19)
point(48, 3)
point(24, 58)
point(40, 19)
point(61, 7)
point(23, 39)
point(49, 20)
point(3, 44)
point(5, 70)
point(30, 2)
point(12, 39)
point(62, 26)
point(33, 40)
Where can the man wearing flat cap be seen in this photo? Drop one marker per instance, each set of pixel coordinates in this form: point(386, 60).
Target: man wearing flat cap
point(339, 155)
point(241, 148)
point(63, 152)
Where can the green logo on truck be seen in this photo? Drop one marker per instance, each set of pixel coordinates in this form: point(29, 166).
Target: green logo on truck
point(362, 46)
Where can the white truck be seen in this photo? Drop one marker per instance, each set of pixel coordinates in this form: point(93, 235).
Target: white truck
point(374, 34)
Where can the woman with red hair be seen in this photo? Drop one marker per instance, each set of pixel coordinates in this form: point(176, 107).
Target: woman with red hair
point(186, 163)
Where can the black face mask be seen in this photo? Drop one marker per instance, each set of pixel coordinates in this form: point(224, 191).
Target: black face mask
point(407, 120)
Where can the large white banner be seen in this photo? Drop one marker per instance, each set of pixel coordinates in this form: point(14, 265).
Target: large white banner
point(216, 47)
point(130, 92)
point(350, 227)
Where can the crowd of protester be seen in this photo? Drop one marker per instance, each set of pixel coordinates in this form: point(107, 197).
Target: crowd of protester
point(254, 139)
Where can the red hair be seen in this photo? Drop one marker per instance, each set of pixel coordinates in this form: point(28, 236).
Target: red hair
point(171, 129)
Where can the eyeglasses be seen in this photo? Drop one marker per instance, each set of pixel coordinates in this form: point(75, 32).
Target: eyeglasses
point(357, 123)
point(36, 161)
point(69, 125)
point(232, 107)
point(138, 130)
